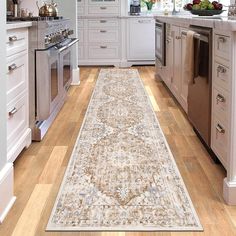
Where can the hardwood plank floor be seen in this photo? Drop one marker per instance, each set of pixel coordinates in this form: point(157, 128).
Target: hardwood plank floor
point(40, 169)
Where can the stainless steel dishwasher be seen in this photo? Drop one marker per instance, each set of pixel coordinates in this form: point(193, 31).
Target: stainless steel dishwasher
point(200, 90)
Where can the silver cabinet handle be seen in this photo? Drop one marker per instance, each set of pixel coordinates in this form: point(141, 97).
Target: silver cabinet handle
point(103, 8)
point(103, 21)
point(12, 67)
point(168, 40)
point(220, 129)
point(12, 38)
point(103, 47)
point(178, 37)
point(12, 112)
point(220, 98)
point(221, 69)
point(103, 31)
point(221, 40)
point(144, 21)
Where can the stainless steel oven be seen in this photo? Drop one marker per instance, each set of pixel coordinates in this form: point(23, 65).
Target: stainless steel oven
point(53, 75)
point(160, 40)
point(48, 90)
point(65, 58)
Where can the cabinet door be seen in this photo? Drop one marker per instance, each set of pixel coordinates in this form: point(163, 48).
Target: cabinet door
point(176, 79)
point(169, 62)
point(183, 84)
point(141, 39)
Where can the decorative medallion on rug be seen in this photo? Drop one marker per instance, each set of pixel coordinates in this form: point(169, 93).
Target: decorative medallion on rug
point(122, 175)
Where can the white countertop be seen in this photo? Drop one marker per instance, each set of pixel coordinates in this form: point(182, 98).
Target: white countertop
point(18, 24)
point(217, 22)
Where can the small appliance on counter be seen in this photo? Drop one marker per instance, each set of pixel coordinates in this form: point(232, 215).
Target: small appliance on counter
point(135, 7)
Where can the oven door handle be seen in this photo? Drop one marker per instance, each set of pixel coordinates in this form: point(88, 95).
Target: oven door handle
point(68, 45)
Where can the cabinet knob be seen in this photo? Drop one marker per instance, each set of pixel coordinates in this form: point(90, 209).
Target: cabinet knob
point(12, 112)
point(220, 98)
point(221, 40)
point(12, 38)
point(221, 69)
point(12, 67)
point(220, 129)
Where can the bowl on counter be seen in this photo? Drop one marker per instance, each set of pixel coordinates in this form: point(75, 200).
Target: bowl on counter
point(206, 12)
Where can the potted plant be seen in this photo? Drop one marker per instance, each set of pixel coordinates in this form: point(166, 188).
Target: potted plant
point(149, 4)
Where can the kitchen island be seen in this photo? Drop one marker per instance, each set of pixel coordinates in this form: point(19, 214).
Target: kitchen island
point(223, 85)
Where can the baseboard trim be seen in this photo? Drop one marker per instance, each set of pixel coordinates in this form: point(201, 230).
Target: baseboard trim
point(229, 192)
point(6, 190)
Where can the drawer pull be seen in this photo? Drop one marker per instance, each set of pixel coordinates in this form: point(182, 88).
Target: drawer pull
point(221, 40)
point(12, 112)
point(12, 38)
point(144, 21)
point(103, 31)
point(178, 37)
point(221, 69)
point(103, 8)
point(220, 98)
point(103, 21)
point(12, 67)
point(103, 47)
point(220, 129)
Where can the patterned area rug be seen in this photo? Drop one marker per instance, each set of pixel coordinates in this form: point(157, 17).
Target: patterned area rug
point(122, 175)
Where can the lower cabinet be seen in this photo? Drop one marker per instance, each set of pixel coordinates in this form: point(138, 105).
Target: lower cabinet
point(173, 73)
point(18, 131)
point(116, 41)
point(141, 39)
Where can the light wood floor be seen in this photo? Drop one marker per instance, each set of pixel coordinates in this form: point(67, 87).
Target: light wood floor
point(39, 170)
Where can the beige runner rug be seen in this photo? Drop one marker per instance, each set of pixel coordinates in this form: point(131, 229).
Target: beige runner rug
point(122, 175)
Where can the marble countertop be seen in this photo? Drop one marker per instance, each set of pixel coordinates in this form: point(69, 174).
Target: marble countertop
point(18, 24)
point(217, 22)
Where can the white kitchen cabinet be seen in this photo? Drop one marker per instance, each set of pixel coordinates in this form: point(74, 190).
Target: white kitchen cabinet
point(176, 79)
point(183, 82)
point(173, 73)
point(141, 39)
point(103, 1)
point(18, 131)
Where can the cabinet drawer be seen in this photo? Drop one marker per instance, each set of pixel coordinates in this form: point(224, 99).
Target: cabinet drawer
point(81, 10)
point(103, 10)
point(222, 46)
point(220, 140)
point(17, 119)
point(81, 36)
point(103, 52)
point(80, 23)
point(81, 52)
point(221, 103)
point(16, 75)
point(103, 23)
point(103, 2)
point(103, 35)
point(222, 75)
point(16, 41)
